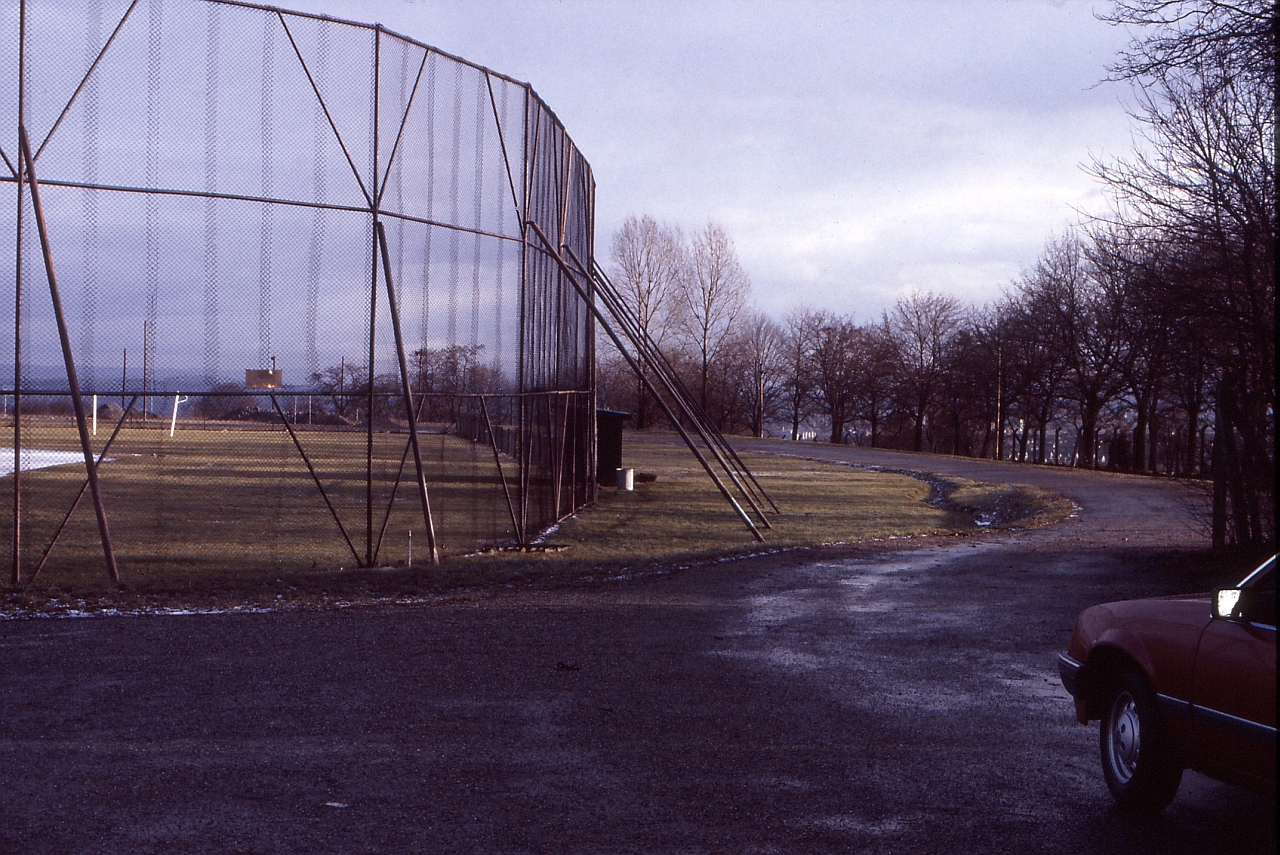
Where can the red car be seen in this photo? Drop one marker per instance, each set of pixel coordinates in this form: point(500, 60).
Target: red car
point(1180, 683)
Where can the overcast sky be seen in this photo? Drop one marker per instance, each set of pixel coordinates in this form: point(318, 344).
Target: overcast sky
point(854, 151)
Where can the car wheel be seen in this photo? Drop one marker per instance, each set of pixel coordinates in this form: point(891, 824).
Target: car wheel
point(1140, 765)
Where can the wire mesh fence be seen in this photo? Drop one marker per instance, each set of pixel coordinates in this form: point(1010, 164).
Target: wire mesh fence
point(266, 227)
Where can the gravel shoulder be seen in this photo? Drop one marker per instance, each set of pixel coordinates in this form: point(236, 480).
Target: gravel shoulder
point(895, 697)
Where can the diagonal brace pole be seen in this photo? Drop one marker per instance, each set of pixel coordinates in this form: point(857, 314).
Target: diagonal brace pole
point(705, 429)
point(44, 559)
point(497, 459)
point(315, 477)
point(658, 361)
point(395, 487)
point(86, 445)
point(655, 360)
point(684, 434)
point(408, 395)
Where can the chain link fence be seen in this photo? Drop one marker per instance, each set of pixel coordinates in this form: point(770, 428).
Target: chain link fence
point(266, 227)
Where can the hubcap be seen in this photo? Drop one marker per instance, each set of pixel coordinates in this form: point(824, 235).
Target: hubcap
point(1124, 737)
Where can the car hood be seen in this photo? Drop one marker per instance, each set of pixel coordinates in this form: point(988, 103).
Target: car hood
point(1170, 623)
point(1192, 609)
point(1160, 603)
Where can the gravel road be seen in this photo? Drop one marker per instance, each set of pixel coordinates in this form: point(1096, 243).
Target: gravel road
point(897, 698)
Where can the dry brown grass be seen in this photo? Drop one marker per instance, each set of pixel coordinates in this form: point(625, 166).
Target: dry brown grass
point(194, 516)
point(241, 503)
point(682, 517)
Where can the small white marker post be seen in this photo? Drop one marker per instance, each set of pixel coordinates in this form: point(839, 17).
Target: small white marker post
point(409, 561)
point(95, 415)
point(173, 423)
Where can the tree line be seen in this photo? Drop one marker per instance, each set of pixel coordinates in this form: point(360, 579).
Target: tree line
point(1142, 341)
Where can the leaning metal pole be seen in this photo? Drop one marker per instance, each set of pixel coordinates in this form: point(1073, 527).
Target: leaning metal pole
point(706, 431)
point(16, 574)
point(373, 303)
point(368, 467)
point(523, 347)
point(656, 360)
point(408, 396)
point(688, 440)
point(660, 362)
point(315, 477)
point(91, 465)
point(80, 495)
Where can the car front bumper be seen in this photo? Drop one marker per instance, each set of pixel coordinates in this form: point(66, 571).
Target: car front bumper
point(1069, 671)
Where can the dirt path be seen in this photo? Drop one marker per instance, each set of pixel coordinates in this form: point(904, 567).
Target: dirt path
point(885, 699)
point(1114, 509)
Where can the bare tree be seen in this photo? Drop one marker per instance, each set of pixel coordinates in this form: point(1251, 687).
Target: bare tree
point(1079, 320)
point(1237, 36)
point(1029, 367)
point(1203, 195)
point(876, 378)
point(714, 296)
point(797, 349)
point(345, 385)
point(837, 357)
point(760, 350)
point(968, 399)
point(920, 327)
point(649, 262)
point(1128, 271)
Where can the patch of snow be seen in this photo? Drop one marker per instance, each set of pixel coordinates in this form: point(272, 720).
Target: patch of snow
point(37, 458)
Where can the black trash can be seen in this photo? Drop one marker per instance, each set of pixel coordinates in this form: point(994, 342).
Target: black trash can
point(609, 444)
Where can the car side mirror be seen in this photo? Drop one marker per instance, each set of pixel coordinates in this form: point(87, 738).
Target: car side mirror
point(1227, 603)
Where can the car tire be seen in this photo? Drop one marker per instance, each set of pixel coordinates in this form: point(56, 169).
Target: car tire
point(1139, 762)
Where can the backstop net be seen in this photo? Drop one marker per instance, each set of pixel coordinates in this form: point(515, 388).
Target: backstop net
point(257, 229)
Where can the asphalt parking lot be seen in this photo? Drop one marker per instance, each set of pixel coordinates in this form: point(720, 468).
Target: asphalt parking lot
point(894, 697)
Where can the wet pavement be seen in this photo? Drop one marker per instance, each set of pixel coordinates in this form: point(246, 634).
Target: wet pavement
point(895, 697)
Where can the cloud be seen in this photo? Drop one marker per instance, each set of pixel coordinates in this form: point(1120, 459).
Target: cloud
point(852, 149)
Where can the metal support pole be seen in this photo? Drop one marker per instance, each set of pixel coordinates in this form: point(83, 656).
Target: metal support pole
point(497, 459)
point(706, 430)
point(688, 440)
point(146, 340)
point(654, 358)
point(562, 456)
point(395, 487)
point(324, 495)
point(80, 495)
point(408, 397)
point(16, 573)
point(373, 294)
point(368, 467)
point(555, 443)
point(522, 385)
point(72, 380)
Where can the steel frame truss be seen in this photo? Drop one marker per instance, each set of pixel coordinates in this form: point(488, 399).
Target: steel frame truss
point(550, 186)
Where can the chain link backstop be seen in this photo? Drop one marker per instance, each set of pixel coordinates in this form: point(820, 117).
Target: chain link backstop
point(264, 228)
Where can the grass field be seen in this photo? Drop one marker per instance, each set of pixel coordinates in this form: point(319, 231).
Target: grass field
point(242, 502)
point(236, 514)
point(681, 516)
